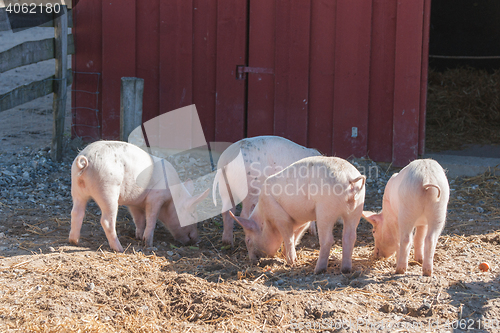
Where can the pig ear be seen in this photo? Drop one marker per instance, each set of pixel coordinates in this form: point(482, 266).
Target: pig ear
point(246, 224)
point(193, 201)
point(373, 218)
point(188, 184)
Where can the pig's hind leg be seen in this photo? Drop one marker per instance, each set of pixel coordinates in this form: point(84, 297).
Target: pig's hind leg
point(418, 243)
point(109, 209)
point(152, 211)
point(349, 238)
point(325, 234)
point(436, 225)
point(139, 221)
point(77, 215)
point(406, 224)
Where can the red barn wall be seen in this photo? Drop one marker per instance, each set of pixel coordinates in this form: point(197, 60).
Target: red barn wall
point(336, 65)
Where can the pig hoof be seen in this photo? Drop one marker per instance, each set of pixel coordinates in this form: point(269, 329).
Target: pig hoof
point(346, 270)
point(319, 270)
point(400, 271)
point(427, 272)
point(227, 241)
point(73, 241)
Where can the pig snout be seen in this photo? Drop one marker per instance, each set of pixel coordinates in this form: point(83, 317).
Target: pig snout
point(188, 235)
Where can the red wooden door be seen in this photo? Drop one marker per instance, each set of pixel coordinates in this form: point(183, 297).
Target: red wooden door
point(345, 77)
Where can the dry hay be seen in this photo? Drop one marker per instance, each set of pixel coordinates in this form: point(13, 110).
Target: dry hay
point(478, 196)
point(209, 289)
point(463, 107)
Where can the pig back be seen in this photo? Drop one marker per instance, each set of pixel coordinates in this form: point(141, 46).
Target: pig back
point(114, 164)
point(317, 179)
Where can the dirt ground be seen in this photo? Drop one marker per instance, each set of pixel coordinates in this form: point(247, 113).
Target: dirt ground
point(48, 285)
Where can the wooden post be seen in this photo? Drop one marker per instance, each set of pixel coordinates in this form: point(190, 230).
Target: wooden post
point(131, 91)
point(60, 89)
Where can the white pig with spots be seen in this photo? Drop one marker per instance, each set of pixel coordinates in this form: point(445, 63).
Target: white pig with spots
point(117, 173)
point(263, 156)
point(414, 199)
point(315, 188)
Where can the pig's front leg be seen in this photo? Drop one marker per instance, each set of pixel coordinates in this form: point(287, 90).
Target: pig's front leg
point(139, 221)
point(286, 231)
point(77, 215)
point(227, 221)
point(299, 233)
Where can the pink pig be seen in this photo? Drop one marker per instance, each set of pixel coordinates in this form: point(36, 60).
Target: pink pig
point(415, 198)
point(314, 188)
point(117, 173)
point(263, 156)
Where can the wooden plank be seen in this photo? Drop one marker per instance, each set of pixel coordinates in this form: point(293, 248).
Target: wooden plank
point(59, 104)
point(352, 70)
point(382, 80)
point(322, 69)
point(260, 112)
point(86, 97)
point(292, 70)
point(131, 98)
point(148, 55)
point(4, 20)
point(118, 59)
point(176, 54)
point(204, 63)
point(231, 52)
point(31, 52)
point(31, 91)
point(424, 77)
point(407, 76)
point(51, 22)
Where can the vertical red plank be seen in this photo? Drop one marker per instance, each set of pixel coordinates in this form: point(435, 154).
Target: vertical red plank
point(148, 55)
point(409, 32)
point(176, 54)
point(320, 122)
point(423, 80)
point(231, 52)
point(204, 63)
point(382, 80)
point(292, 69)
point(352, 70)
point(86, 103)
point(260, 114)
point(118, 59)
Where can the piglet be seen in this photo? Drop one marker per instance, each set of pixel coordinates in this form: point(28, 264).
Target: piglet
point(314, 188)
point(415, 198)
point(263, 156)
point(117, 173)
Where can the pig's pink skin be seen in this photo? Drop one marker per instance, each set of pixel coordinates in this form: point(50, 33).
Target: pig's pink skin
point(415, 198)
point(278, 218)
point(108, 172)
point(263, 157)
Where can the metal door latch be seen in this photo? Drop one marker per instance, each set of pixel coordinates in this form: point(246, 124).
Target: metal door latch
point(241, 71)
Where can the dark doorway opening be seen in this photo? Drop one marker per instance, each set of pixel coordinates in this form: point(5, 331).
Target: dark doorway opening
point(463, 101)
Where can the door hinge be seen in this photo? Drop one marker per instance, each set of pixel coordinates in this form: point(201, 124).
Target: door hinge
point(241, 71)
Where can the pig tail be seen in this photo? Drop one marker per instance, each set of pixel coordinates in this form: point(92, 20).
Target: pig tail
point(82, 163)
